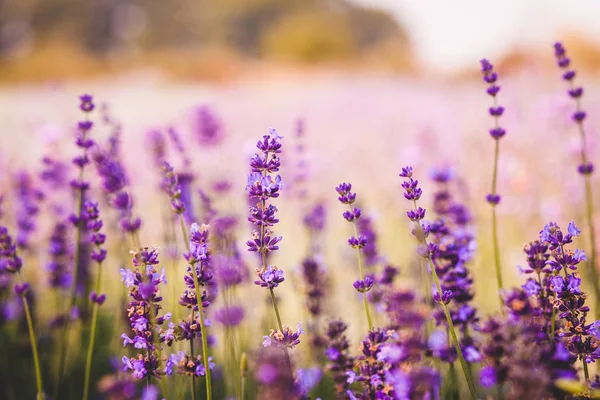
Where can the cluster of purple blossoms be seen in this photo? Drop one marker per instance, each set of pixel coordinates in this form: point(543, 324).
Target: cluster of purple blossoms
point(338, 354)
point(286, 338)
point(575, 92)
point(183, 364)
point(562, 295)
point(10, 262)
point(406, 375)
point(96, 238)
point(27, 207)
point(114, 184)
point(371, 369)
point(170, 185)
point(518, 352)
point(54, 173)
point(207, 127)
point(262, 186)
point(273, 375)
point(455, 243)
point(199, 258)
point(157, 146)
point(143, 314)
point(60, 257)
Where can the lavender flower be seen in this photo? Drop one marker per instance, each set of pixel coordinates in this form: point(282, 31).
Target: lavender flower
point(493, 198)
point(346, 196)
point(59, 254)
point(284, 338)
point(28, 207)
point(586, 167)
point(429, 252)
point(96, 238)
point(275, 379)
point(207, 127)
point(143, 314)
point(338, 354)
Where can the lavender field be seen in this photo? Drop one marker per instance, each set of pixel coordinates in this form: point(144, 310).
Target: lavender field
point(350, 235)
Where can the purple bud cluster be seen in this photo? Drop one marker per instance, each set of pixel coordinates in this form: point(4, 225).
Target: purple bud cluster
point(338, 354)
point(199, 258)
point(371, 366)
point(170, 185)
point(557, 287)
point(491, 77)
point(516, 350)
point(114, 184)
point(207, 127)
point(143, 313)
point(28, 200)
point(60, 257)
point(455, 247)
point(288, 338)
point(97, 239)
point(83, 141)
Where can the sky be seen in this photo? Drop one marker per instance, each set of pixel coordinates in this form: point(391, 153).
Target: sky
point(450, 34)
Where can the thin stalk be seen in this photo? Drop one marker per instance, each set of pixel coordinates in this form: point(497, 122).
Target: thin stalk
point(362, 275)
point(32, 339)
point(90, 352)
point(243, 370)
point(461, 358)
point(591, 265)
point(553, 324)
point(280, 325)
point(73, 295)
point(201, 313)
point(494, 221)
point(193, 381)
point(585, 369)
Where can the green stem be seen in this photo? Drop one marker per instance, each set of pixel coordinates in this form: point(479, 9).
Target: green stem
point(88, 363)
point(201, 313)
point(193, 381)
point(553, 324)
point(34, 349)
point(243, 370)
point(463, 363)
point(591, 265)
point(62, 366)
point(585, 369)
point(362, 275)
point(280, 325)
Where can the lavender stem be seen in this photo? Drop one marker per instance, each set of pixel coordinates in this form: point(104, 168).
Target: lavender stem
point(32, 339)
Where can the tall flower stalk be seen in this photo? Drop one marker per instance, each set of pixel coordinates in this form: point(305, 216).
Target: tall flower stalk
point(429, 251)
point(264, 185)
point(77, 218)
point(497, 133)
point(199, 273)
point(357, 242)
point(586, 168)
point(12, 263)
point(97, 238)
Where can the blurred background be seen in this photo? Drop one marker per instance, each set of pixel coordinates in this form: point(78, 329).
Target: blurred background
point(216, 40)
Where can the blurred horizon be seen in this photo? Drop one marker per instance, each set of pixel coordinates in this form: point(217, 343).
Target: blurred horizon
point(218, 41)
